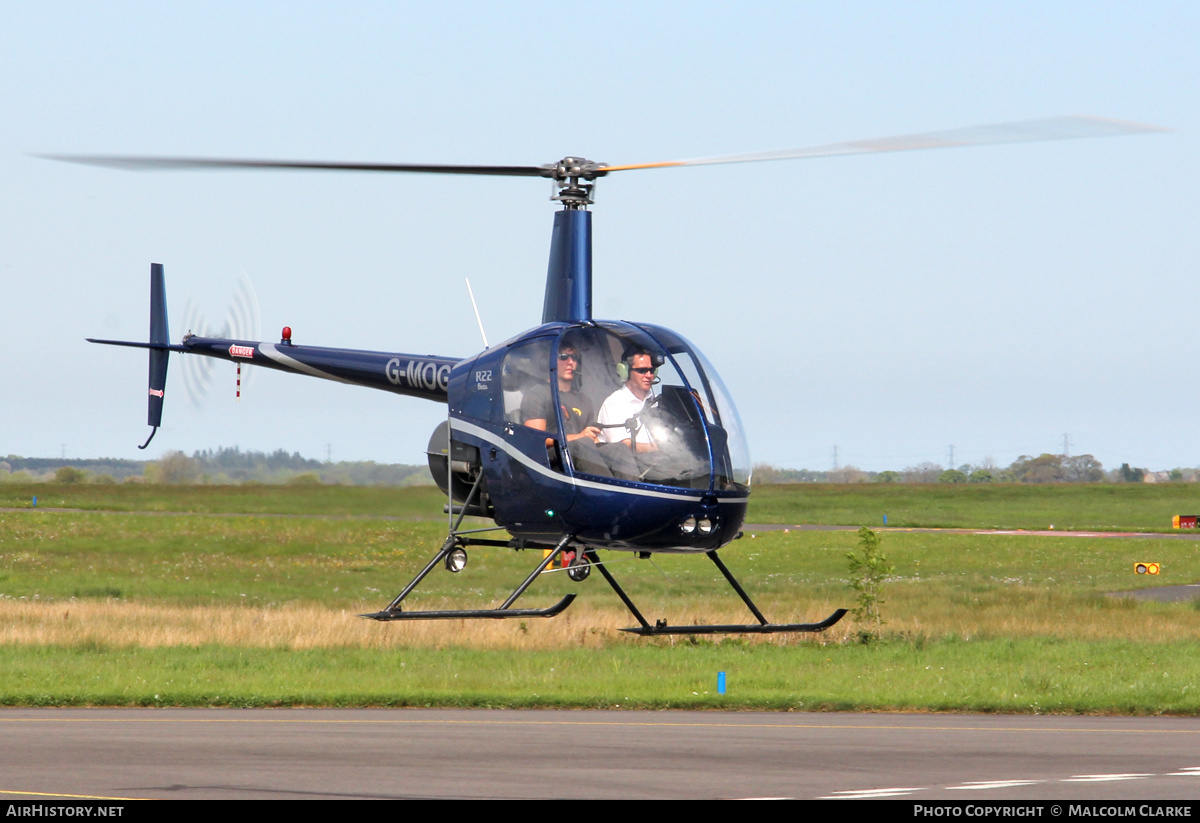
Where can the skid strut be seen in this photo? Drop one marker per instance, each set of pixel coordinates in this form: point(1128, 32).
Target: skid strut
point(394, 611)
point(456, 539)
point(762, 627)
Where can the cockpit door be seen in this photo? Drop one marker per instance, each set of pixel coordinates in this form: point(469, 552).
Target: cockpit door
point(528, 465)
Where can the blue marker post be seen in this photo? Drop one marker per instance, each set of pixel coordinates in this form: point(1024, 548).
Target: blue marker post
point(885, 520)
point(720, 682)
point(35, 501)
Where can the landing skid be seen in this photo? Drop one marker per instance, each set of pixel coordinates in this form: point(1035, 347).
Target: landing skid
point(762, 627)
point(395, 612)
point(451, 614)
point(579, 570)
point(456, 540)
point(661, 627)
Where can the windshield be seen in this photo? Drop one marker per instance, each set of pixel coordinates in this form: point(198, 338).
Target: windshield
point(731, 452)
point(637, 404)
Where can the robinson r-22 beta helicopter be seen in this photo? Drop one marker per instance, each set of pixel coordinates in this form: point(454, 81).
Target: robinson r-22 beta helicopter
point(670, 474)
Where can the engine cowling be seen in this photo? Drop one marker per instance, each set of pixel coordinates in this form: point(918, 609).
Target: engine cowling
point(455, 467)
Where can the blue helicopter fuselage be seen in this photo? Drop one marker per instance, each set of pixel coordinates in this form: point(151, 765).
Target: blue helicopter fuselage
point(683, 486)
point(577, 434)
point(688, 494)
point(547, 453)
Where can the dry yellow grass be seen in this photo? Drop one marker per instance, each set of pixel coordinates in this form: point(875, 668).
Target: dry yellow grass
point(910, 610)
point(115, 623)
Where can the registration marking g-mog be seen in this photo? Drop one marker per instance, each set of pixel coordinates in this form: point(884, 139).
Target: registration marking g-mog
point(419, 374)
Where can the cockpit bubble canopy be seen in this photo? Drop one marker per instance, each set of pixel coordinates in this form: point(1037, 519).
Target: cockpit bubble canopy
point(686, 433)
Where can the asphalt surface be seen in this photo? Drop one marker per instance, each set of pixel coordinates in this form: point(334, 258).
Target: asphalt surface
point(127, 754)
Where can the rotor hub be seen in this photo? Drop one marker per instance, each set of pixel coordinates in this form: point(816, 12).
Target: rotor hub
point(569, 174)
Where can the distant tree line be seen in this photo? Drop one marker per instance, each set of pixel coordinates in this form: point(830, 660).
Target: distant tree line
point(38, 466)
point(1045, 468)
point(222, 466)
point(231, 465)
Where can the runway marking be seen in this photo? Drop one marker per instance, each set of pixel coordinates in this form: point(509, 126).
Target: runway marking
point(1188, 771)
point(1103, 778)
point(992, 784)
point(68, 796)
point(868, 794)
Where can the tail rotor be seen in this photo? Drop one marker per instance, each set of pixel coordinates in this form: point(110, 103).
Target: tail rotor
point(242, 322)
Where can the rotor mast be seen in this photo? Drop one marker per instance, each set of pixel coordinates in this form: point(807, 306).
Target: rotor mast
point(569, 274)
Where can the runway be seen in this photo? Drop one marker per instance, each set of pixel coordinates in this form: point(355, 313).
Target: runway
point(129, 754)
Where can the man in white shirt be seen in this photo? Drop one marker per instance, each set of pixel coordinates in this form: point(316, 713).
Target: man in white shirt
point(623, 404)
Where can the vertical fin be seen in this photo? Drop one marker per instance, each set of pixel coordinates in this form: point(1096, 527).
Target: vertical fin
point(158, 357)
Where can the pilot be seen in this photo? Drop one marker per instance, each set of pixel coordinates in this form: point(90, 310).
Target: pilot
point(579, 415)
point(619, 410)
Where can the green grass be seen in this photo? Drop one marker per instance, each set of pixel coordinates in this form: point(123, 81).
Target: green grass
point(974, 622)
point(190, 559)
point(420, 502)
point(1104, 507)
point(1101, 507)
point(1028, 676)
point(187, 559)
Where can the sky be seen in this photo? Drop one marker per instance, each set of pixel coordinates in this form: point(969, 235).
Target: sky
point(877, 310)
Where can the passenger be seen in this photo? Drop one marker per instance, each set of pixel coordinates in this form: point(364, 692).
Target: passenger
point(579, 415)
point(618, 414)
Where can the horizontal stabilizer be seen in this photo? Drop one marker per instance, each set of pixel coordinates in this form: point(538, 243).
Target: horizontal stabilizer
point(136, 345)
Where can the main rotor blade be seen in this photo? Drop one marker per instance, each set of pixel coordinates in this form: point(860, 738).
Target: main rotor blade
point(1052, 128)
point(177, 163)
point(1027, 131)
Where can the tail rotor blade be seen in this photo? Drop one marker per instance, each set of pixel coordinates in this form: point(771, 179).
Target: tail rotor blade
point(197, 371)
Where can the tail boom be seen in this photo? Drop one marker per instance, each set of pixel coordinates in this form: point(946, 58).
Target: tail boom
point(425, 376)
point(411, 375)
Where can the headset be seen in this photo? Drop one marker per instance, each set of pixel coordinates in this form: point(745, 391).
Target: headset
point(623, 368)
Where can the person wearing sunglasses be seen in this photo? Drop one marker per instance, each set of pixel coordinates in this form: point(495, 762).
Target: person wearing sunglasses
point(579, 415)
point(619, 420)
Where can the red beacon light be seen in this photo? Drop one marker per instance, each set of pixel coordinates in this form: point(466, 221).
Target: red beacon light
point(286, 336)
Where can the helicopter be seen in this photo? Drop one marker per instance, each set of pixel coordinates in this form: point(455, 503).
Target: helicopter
point(664, 469)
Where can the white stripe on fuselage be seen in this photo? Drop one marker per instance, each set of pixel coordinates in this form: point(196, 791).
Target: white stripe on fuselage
point(269, 350)
point(530, 463)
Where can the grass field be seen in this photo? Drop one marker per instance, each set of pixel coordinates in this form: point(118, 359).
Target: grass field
point(149, 596)
point(420, 502)
point(1140, 507)
point(1107, 507)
